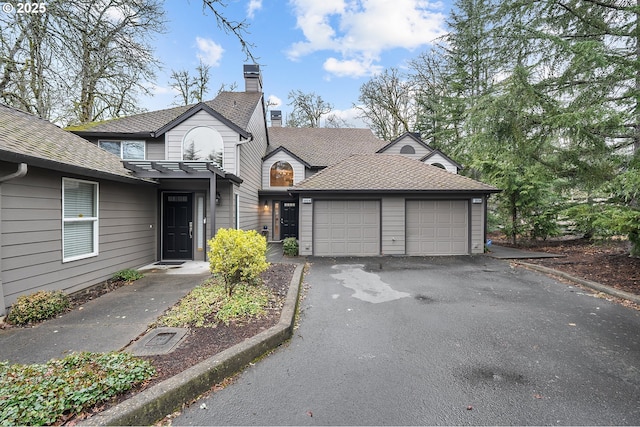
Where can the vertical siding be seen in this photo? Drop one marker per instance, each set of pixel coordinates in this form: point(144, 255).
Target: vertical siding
point(477, 227)
point(298, 168)
point(393, 225)
point(305, 228)
point(251, 153)
point(32, 234)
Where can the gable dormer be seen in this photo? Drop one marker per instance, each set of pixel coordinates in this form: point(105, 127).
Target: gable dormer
point(408, 144)
point(282, 169)
point(411, 145)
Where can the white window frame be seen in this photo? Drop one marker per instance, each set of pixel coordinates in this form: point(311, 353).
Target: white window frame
point(83, 219)
point(122, 143)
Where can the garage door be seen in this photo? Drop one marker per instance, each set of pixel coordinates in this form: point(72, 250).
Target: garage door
point(346, 228)
point(437, 227)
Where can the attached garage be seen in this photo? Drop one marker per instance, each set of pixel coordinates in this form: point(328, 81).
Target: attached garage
point(386, 204)
point(437, 227)
point(346, 227)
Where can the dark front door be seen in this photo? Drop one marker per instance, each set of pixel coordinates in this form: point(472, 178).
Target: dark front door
point(177, 233)
point(289, 220)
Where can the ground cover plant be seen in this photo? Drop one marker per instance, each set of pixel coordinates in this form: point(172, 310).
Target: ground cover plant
point(42, 394)
point(38, 306)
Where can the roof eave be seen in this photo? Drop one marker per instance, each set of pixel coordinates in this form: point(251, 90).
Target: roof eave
point(13, 157)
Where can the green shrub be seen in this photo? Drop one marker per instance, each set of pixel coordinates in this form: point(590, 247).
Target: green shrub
point(208, 304)
point(41, 394)
point(128, 275)
point(290, 246)
point(237, 256)
point(38, 306)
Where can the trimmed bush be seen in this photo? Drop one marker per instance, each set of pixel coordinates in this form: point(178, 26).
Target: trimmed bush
point(290, 246)
point(237, 256)
point(37, 307)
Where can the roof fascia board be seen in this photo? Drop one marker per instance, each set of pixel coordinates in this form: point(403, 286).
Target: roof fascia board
point(401, 137)
point(201, 106)
point(435, 152)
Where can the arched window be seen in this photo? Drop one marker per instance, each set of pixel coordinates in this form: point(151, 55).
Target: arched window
point(281, 175)
point(203, 143)
point(438, 165)
point(407, 149)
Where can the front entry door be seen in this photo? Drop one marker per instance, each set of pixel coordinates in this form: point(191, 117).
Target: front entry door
point(177, 233)
point(289, 220)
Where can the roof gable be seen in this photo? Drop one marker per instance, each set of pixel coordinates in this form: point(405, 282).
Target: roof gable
point(413, 136)
point(289, 153)
point(389, 172)
point(26, 138)
point(438, 152)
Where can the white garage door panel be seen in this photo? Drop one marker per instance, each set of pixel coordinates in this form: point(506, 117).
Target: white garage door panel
point(437, 227)
point(346, 227)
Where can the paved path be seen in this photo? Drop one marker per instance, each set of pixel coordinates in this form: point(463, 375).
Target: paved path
point(426, 341)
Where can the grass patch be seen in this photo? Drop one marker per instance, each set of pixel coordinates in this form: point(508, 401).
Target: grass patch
point(209, 304)
point(42, 394)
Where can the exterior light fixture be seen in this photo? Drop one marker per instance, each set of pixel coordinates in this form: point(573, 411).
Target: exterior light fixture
point(218, 198)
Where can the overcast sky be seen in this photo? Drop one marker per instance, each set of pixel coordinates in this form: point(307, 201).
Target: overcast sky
point(329, 47)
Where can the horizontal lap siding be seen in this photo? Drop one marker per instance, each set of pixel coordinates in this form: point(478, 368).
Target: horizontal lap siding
point(31, 237)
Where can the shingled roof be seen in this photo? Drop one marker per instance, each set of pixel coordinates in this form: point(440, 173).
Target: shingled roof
point(389, 172)
point(25, 138)
point(236, 107)
point(320, 147)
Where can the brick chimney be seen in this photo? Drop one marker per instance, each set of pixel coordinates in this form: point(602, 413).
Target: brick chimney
point(276, 118)
point(252, 78)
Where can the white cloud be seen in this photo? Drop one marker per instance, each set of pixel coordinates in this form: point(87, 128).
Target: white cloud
point(360, 30)
point(252, 7)
point(210, 52)
point(351, 67)
point(274, 101)
point(350, 116)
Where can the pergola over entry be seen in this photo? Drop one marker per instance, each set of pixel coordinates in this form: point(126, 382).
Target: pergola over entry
point(163, 169)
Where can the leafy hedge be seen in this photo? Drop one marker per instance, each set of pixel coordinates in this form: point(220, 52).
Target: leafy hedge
point(42, 394)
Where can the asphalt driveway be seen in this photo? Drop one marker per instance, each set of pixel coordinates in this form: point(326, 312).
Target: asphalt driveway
point(426, 341)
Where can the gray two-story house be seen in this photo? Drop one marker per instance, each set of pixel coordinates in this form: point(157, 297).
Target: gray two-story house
point(76, 205)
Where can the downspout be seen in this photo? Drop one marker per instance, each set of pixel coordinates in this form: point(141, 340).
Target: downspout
point(22, 171)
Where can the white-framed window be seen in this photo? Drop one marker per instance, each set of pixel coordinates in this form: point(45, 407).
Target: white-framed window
point(79, 219)
point(126, 150)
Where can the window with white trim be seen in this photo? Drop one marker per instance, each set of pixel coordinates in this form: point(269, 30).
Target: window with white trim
point(126, 150)
point(79, 219)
